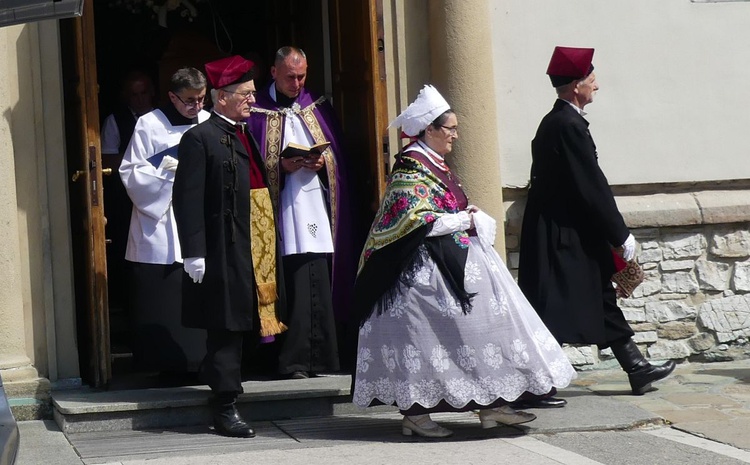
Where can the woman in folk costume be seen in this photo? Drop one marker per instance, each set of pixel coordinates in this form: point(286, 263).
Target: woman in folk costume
point(443, 325)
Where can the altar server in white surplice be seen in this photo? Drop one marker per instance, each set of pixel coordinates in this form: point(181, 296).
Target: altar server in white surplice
point(159, 341)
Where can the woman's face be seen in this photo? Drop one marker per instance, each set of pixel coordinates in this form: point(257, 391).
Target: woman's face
point(441, 139)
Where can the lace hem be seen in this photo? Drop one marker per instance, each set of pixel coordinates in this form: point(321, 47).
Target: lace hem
point(457, 392)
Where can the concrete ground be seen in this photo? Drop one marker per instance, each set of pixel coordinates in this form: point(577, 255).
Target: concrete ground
point(700, 415)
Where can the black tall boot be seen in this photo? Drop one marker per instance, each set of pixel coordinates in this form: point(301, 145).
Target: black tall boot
point(227, 420)
point(640, 372)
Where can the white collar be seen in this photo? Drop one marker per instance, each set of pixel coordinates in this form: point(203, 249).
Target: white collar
point(272, 91)
point(434, 157)
point(579, 110)
point(225, 118)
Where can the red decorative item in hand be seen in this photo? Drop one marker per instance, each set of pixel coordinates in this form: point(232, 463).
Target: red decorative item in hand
point(628, 275)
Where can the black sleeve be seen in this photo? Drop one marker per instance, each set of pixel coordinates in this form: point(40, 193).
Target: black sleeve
point(188, 195)
point(589, 183)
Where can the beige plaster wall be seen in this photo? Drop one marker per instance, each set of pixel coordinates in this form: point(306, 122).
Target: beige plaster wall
point(34, 208)
point(462, 68)
point(407, 57)
point(13, 350)
point(673, 76)
point(31, 198)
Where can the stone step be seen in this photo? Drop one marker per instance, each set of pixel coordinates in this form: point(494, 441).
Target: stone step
point(84, 410)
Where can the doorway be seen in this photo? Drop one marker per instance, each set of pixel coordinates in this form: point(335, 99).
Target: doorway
point(135, 35)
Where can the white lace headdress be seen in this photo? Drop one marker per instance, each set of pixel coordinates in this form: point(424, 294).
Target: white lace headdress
point(422, 111)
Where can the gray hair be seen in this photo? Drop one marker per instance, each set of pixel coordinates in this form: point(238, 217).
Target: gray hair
point(187, 78)
point(284, 52)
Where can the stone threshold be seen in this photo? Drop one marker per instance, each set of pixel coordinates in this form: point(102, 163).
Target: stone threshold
point(90, 410)
point(91, 401)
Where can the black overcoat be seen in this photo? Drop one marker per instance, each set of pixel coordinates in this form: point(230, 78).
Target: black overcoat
point(569, 224)
point(211, 200)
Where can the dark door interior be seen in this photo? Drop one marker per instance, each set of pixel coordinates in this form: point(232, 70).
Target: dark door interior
point(130, 35)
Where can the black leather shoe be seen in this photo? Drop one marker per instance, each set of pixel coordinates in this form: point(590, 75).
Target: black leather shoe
point(230, 423)
point(299, 375)
point(546, 402)
point(640, 372)
point(642, 377)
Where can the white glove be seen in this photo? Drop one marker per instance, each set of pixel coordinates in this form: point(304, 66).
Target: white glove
point(628, 248)
point(195, 267)
point(168, 164)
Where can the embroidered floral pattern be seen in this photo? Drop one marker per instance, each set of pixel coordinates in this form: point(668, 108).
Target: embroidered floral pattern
point(472, 273)
point(545, 340)
point(421, 191)
point(519, 356)
point(448, 306)
point(414, 197)
point(412, 360)
point(398, 207)
point(492, 355)
point(365, 329)
point(460, 390)
point(364, 357)
point(461, 238)
point(466, 359)
point(440, 359)
point(435, 353)
point(422, 276)
point(389, 357)
point(397, 308)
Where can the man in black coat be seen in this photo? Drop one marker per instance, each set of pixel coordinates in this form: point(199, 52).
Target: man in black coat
point(227, 232)
point(571, 225)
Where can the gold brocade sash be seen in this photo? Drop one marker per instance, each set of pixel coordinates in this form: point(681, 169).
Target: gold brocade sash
point(263, 249)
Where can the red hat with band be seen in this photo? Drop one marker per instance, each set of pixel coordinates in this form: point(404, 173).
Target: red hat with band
point(569, 64)
point(228, 71)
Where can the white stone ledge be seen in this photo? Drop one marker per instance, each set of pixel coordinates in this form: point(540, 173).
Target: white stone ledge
point(640, 211)
point(724, 206)
point(662, 210)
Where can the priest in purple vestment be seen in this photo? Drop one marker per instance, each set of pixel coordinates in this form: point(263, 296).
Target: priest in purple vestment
point(310, 194)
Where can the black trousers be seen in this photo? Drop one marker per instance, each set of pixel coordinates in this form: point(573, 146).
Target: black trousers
point(222, 367)
point(616, 327)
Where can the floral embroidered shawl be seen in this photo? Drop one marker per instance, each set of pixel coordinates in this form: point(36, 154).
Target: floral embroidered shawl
point(415, 198)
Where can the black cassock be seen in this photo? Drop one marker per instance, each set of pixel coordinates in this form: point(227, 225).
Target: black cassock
point(569, 225)
point(211, 200)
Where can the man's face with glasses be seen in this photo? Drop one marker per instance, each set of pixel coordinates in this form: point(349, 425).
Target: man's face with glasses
point(237, 99)
point(188, 102)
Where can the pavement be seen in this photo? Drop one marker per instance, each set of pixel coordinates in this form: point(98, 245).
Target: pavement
point(699, 415)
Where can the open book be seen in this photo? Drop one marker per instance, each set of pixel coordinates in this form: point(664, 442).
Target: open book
point(295, 150)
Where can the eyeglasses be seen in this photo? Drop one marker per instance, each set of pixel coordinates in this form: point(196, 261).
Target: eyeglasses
point(244, 95)
point(452, 130)
point(190, 103)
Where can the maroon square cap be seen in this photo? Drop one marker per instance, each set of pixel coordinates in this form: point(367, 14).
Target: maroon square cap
point(569, 63)
point(228, 71)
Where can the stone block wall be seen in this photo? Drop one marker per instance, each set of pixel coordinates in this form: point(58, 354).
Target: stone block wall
point(694, 303)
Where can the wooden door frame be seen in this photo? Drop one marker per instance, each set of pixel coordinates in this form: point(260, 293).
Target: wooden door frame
point(90, 174)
